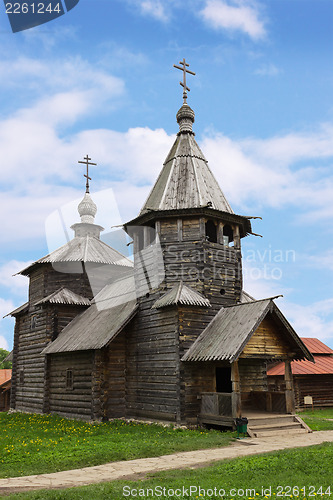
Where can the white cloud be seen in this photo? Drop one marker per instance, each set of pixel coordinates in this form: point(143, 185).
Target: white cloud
point(233, 16)
point(275, 172)
point(268, 70)
point(17, 285)
point(56, 76)
point(157, 9)
point(313, 320)
point(6, 324)
point(154, 8)
point(3, 343)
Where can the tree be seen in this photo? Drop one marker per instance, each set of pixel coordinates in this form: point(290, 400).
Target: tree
point(3, 355)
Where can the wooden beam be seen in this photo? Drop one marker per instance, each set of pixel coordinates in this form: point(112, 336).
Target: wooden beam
point(290, 397)
point(235, 396)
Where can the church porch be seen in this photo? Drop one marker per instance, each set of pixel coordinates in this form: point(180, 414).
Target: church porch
point(246, 393)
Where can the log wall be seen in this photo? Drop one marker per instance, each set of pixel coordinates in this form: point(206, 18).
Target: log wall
point(152, 363)
point(29, 364)
point(33, 332)
point(320, 387)
point(75, 402)
point(210, 268)
point(253, 378)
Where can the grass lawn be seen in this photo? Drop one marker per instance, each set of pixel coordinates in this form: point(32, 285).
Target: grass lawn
point(35, 444)
point(318, 419)
point(286, 472)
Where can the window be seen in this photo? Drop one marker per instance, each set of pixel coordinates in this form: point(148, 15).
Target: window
point(21, 377)
point(69, 378)
point(211, 231)
point(33, 321)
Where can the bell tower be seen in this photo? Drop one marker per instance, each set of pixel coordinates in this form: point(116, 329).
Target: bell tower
point(199, 234)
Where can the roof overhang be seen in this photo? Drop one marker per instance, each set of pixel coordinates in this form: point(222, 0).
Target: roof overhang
point(152, 215)
point(226, 336)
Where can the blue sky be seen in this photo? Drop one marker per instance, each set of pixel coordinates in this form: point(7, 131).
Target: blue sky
point(100, 80)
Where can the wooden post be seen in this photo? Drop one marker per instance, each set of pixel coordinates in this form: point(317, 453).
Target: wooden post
point(290, 397)
point(236, 238)
point(135, 243)
point(202, 228)
point(146, 236)
point(235, 396)
point(180, 229)
point(220, 233)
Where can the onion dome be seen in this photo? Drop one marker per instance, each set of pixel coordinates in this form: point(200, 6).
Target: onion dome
point(185, 118)
point(87, 209)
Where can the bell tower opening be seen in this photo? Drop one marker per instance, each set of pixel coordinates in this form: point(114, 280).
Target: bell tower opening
point(228, 235)
point(211, 231)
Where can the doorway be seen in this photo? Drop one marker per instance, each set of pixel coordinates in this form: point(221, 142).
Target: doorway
point(223, 379)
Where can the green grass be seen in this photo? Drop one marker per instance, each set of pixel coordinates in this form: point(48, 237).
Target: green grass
point(318, 419)
point(35, 444)
point(304, 467)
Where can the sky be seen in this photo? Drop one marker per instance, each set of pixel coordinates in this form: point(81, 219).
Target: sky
point(100, 81)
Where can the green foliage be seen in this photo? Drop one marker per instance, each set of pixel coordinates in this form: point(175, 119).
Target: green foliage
point(318, 419)
point(3, 355)
point(34, 444)
point(308, 468)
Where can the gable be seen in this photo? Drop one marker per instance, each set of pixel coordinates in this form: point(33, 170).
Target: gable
point(268, 341)
point(230, 333)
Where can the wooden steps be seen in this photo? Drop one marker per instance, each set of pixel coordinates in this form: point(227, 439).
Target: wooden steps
point(273, 424)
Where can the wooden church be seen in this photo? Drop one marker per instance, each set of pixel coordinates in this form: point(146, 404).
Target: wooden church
point(171, 336)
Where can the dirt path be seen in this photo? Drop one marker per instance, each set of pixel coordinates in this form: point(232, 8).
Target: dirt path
point(135, 468)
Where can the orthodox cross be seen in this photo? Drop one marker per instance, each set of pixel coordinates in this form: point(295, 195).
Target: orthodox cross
point(183, 83)
point(87, 162)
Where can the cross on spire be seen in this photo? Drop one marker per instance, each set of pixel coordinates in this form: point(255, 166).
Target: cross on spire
point(183, 83)
point(87, 162)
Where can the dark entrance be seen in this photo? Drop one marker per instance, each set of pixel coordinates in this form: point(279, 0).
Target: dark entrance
point(223, 379)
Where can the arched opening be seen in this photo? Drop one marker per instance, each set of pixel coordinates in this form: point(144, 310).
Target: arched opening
point(211, 231)
point(228, 235)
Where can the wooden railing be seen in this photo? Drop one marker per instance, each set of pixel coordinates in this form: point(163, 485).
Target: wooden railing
point(216, 403)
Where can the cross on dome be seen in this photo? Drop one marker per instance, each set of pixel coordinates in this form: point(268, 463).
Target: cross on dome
point(183, 83)
point(87, 162)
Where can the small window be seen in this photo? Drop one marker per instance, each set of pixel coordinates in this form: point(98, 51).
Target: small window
point(211, 231)
point(69, 379)
point(33, 322)
point(21, 377)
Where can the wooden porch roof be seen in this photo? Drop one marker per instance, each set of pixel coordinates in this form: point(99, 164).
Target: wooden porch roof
point(98, 325)
point(231, 329)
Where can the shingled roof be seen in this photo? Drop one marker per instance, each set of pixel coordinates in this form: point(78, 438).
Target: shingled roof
point(186, 185)
point(229, 331)
point(181, 294)
point(83, 249)
point(186, 181)
point(64, 296)
point(98, 325)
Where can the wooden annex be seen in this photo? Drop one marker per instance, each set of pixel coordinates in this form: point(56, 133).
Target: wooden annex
point(170, 337)
point(310, 379)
